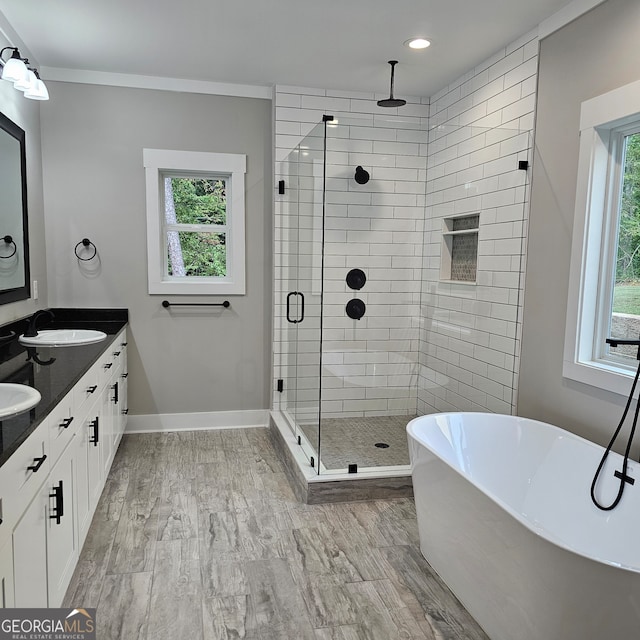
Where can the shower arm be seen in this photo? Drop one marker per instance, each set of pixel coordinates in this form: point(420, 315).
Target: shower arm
point(393, 69)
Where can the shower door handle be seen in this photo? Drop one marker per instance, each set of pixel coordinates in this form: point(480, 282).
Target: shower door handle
point(291, 293)
point(289, 318)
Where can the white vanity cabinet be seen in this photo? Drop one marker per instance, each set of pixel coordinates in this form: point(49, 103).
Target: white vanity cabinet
point(89, 469)
point(50, 487)
point(6, 575)
point(45, 542)
point(121, 376)
point(22, 479)
point(30, 554)
point(60, 519)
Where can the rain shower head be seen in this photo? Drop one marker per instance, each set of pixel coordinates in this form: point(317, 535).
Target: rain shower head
point(391, 101)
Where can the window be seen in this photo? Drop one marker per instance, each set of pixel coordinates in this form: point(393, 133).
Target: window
point(195, 222)
point(604, 298)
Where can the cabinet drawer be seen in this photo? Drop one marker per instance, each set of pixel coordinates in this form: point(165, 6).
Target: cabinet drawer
point(87, 390)
point(118, 354)
point(106, 367)
point(112, 360)
point(22, 475)
point(62, 425)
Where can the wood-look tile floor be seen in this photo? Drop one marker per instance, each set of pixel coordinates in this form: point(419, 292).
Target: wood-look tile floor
point(199, 536)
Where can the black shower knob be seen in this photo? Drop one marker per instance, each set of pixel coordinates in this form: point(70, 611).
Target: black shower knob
point(356, 279)
point(355, 308)
point(362, 175)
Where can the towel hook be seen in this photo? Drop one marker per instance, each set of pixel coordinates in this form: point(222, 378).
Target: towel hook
point(9, 240)
point(85, 242)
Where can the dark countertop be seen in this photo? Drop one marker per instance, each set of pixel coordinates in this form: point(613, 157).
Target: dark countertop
point(53, 371)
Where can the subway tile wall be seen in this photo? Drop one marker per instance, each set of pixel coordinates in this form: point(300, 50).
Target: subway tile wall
point(424, 345)
point(481, 126)
point(369, 366)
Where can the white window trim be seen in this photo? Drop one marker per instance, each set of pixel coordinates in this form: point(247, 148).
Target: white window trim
point(159, 161)
point(591, 244)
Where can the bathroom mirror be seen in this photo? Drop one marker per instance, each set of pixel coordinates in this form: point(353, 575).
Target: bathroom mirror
point(14, 240)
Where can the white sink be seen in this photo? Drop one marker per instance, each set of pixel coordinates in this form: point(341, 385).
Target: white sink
point(63, 337)
point(17, 398)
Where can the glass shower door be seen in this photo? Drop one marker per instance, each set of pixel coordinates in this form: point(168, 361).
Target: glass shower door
point(287, 247)
point(302, 294)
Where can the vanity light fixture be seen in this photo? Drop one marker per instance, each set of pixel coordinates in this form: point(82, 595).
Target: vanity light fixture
point(14, 68)
point(26, 82)
point(38, 89)
point(417, 43)
point(24, 78)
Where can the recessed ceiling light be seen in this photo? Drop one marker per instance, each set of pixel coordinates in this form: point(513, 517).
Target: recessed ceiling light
point(417, 43)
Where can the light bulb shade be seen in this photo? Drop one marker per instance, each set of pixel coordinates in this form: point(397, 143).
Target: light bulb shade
point(38, 91)
point(27, 83)
point(15, 70)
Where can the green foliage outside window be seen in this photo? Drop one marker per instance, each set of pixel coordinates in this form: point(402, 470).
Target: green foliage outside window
point(628, 259)
point(199, 201)
point(626, 293)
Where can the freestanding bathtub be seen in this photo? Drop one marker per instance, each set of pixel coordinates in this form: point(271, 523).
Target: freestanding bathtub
point(506, 519)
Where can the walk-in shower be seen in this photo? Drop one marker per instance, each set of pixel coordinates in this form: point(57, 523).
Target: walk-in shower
point(350, 284)
point(397, 295)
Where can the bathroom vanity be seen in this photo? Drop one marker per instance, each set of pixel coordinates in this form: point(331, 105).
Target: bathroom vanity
point(55, 458)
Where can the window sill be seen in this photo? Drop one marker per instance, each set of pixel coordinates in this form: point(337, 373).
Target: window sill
point(606, 376)
point(196, 288)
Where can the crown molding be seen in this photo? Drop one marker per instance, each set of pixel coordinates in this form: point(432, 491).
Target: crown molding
point(80, 76)
point(566, 15)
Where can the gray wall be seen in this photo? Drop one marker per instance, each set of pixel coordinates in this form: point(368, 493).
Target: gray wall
point(184, 360)
point(593, 55)
point(26, 114)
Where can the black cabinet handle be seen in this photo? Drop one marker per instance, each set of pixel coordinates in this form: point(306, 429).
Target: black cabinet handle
point(116, 354)
point(125, 375)
point(115, 393)
point(125, 412)
point(38, 463)
point(96, 433)
point(92, 388)
point(59, 508)
point(124, 344)
point(108, 365)
point(66, 422)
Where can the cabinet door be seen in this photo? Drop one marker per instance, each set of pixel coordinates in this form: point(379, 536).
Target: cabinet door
point(30, 553)
point(62, 539)
point(120, 376)
point(106, 428)
point(87, 481)
point(92, 428)
point(124, 398)
point(6, 576)
point(114, 409)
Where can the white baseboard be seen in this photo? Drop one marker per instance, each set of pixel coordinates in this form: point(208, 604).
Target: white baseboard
point(197, 421)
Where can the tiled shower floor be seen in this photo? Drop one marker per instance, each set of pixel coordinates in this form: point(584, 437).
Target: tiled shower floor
point(347, 441)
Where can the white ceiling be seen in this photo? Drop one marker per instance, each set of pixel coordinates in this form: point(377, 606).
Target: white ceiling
point(338, 44)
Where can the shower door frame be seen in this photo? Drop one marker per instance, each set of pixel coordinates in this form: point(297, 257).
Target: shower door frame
point(303, 299)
